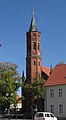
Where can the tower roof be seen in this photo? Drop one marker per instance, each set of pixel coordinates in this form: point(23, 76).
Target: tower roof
point(33, 26)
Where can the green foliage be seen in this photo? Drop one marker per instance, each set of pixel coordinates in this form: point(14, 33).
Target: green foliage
point(9, 83)
point(36, 89)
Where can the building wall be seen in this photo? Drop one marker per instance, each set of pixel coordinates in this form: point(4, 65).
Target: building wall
point(33, 58)
point(56, 100)
point(19, 105)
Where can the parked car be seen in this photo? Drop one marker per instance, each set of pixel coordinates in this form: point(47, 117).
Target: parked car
point(44, 116)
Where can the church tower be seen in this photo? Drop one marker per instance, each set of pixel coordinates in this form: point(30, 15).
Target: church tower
point(34, 66)
point(33, 57)
point(33, 61)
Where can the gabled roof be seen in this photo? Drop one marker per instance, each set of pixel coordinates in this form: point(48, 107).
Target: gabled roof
point(46, 70)
point(58, 76)
point(33, 26)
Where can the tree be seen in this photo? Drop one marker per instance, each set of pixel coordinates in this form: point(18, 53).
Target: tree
point(36, 90)
point(9, 84)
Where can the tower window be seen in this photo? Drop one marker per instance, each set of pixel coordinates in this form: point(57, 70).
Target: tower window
point(34, 45)
point(38, 36)
point(39, 63)
point(34, 62)
point(38, 46)
point(34, 34)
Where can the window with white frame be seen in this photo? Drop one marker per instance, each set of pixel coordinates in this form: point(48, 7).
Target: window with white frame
point(60, 92)
point(60, 108)
point(52, 108)
point(51, 93)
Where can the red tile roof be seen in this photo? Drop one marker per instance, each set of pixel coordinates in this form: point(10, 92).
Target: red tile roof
point(58, 76)
point(46, 70)
point(17, 97)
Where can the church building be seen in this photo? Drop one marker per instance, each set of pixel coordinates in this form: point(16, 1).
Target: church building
point(34, 66)
point(33, 58)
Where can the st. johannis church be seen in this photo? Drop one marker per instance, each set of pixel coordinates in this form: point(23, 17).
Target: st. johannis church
point(33, 60)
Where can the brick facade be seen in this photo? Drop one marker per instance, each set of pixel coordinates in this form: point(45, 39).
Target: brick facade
point(33, 59)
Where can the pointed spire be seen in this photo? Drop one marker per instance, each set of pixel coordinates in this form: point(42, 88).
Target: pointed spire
point(51, 69)
point(23, 78)
point(33, 26)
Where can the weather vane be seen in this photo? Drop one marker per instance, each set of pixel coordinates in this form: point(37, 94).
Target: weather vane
point(33, 11)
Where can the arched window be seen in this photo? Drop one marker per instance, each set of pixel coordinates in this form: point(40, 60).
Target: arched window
point(34, 62)
point(34, 45)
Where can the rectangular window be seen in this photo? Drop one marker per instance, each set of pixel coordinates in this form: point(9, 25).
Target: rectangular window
point(52, 108)
point(52, 93)
point(60, 92)
point(60, 108)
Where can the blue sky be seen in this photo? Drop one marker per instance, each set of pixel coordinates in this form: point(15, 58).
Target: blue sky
point(15, 18)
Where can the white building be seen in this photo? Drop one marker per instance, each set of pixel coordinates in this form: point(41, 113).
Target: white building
point(19, 104)
point(56, 91)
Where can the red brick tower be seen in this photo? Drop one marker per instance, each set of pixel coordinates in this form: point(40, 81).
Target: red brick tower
point(33, 59)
